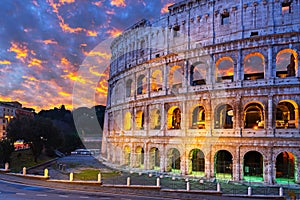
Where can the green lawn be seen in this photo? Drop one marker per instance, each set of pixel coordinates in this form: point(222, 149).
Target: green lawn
point(24, 158)
point(92, 175)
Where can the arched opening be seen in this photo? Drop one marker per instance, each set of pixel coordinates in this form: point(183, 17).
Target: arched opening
point(127, 155)
point(141, 84)
point(198, 118)
point(127, 121)
point(175, 78)
point(154, 159)
point(196, 162)
point(286, 116)
point(156, 81)
point(129, 91)
point(254, 66)
point(224, 117)
point(155, 119)
point(139, 157)
point(174, 118)
point(223, 165)
point(139, 120)
point(253, 166)
point(173, 164)
point(286, 63)
point(198, 74)
point(224, 70)
point(254, 116)
point(286, 170)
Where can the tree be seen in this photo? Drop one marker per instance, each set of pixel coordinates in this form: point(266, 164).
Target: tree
point(39, 133)
point(6, 149)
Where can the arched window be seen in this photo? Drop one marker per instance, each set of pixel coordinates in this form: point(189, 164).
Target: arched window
point(155, 119)
point(174, 118)
point(198, 118)
point(141, 85)
point(129, 92)
point(156, 81)
point(286, 63)
point(127, 121)
point(224, 117)
point(127, 155)
point(139, 120)
point(286, 167)
point(254, 116)
point(175, 78)
point(154, 159)
point(224, 70)
point(139, 157)
point(198, 74)
point(285, 115)
point(254, 66)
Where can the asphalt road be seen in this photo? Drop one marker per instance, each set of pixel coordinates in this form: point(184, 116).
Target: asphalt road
point(15, 191)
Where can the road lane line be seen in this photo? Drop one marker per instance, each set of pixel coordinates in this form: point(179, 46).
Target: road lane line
point(83, 197)
point(64, 196)
point(41, 195)
point(18, 193)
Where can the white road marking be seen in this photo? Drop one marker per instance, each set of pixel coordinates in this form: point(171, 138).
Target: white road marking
point(20, 194)
point(64, 196)
point(104, 198)
point(83, 197)
point(41, 195)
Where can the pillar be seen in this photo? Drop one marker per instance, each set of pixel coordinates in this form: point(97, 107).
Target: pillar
point(240, 67)
point(270, 71)
point(163, 159)
point(270, 115)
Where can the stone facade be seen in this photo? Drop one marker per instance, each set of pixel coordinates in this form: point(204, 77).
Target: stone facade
point(210, 89)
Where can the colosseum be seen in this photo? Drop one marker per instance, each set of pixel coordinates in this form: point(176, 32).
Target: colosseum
point(211, 89)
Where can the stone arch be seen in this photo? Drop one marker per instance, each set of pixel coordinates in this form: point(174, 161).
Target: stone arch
point(254, 115)
point(254, 66)
point(224, 69)
point(286, 167)
point(224, 116)
point(127, 155)
point(155, 119)
point(154, 158)
point(286, 63)
point(286, 114)
point(127, 121)
point(197, 117)
point(139, 120)
point(156, 80)
point(173, 160)
point(129, 88)
point(253, 163)
point(141, 84)
point(198, 74)
point(196, 162)
point(175, 77)
point(139, 157)
point(174, 118)
point(223, 164)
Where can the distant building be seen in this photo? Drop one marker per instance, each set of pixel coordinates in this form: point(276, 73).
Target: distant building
point(10, 110)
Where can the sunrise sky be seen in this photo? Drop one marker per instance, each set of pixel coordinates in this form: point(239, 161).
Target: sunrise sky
point(45, 43)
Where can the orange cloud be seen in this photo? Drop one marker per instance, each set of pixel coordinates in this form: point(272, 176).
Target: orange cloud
point(5, 62)
point(66, 1)
point(35, 62)
point(98, 53)
point(165, 9)
point(118, 3)
point(114, 32)
point(65, 61)
point(49, 42)
point(98, 3)
point(65, 94)
point(92, 33)
point(20, 50)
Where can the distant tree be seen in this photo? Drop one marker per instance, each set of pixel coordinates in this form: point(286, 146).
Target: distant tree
point(6, 149)
point(39, 133)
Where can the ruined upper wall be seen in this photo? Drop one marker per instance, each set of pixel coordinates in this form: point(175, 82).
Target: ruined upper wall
point(203, 23)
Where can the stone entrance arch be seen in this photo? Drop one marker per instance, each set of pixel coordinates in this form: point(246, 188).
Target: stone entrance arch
point(253, 166)
point(127, 156)
point(223, 165)
point(173, 161)
point(196, 162)
point(154, 159)
point(139, 157)
point(286, 167)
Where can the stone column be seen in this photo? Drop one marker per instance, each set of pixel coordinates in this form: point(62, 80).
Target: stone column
point(165, 77)
point(183, 159)
point(163, 120)
point(163, 159)
point(267, 173)
point(270, 115)
point(209, 165)
point(184, 115)
point(237, 165)
point(270, 71)
point(148, 82)
point(298, 173)
point(240, 67)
